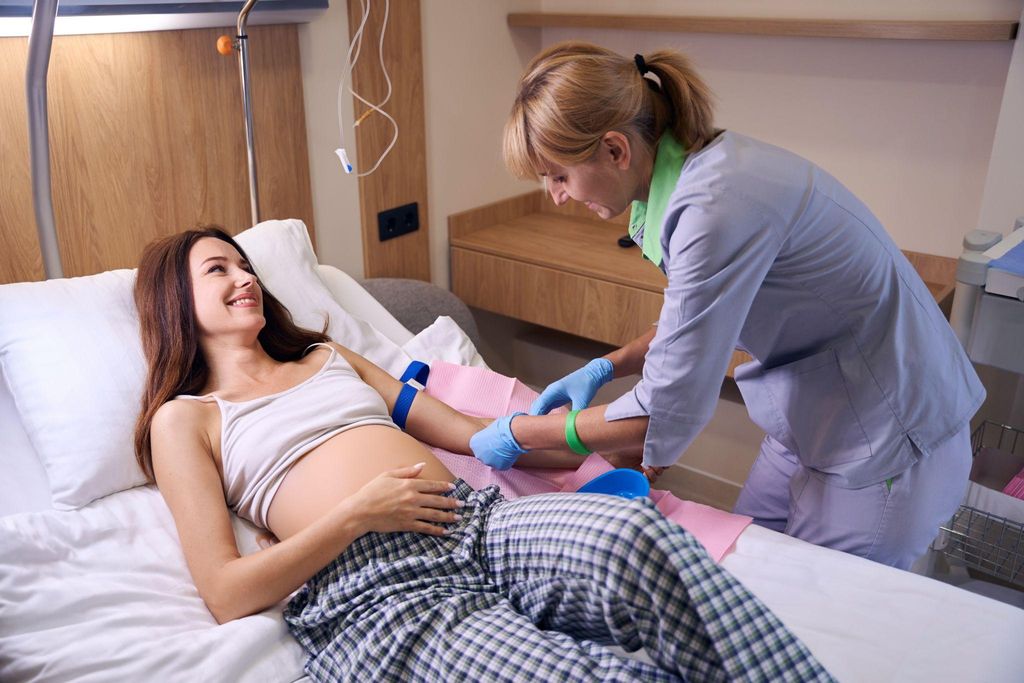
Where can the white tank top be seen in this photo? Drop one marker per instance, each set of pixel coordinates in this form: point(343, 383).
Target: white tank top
point(262, 438)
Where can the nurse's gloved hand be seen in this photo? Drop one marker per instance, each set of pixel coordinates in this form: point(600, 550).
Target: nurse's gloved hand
point(578, 387)
point(495, 446)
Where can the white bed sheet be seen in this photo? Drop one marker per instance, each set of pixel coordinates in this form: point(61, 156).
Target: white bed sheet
point(103, 594)
point(868, 622)
point(108, 596)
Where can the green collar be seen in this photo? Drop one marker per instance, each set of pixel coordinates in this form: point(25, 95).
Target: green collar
point(668, 163)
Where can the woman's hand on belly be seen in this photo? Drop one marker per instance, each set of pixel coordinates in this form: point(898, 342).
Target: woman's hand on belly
point(398, 500)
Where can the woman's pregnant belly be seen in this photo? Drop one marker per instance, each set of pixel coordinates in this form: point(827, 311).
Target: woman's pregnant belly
point(339, 467)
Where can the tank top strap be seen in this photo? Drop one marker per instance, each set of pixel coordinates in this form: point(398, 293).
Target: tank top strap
point(205, 398)
point(314, 344)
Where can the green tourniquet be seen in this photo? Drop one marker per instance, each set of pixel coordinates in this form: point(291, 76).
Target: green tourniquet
point(668, 163)
point(571, 437)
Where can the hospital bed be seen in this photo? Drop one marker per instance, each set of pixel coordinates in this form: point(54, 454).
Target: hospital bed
point(100, 591)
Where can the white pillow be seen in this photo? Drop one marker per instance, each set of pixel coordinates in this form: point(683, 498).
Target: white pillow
point(444, 340)
point(283, 257)
point(73, 362)
point(71, 354)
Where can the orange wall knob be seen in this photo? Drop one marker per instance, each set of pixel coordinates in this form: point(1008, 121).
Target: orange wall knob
point(225, 45)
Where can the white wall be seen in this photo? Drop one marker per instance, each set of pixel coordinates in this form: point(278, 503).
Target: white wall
point(1003, 199)
point(471, 63)
point(323, 45)
point(1002, 202)
point(906, 125)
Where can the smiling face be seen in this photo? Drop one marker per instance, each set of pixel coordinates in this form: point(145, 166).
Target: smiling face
point(226, 296)
point(608, 183)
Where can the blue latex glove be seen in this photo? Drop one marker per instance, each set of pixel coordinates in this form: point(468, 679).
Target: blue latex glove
point(495, 446)
point(578, 387)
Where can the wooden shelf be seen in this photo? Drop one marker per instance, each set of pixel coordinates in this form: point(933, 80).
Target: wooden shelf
point(817, 28)
point(573, 245)
point(509, 257)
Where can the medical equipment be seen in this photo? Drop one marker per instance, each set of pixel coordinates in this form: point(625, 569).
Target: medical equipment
point(356, 47)
point(986, 534)
point(44, 14)
point(621, 482)
point(988, 307)
point(225, 45)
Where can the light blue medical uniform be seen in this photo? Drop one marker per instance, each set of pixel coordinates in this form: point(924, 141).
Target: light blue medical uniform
point(862, 388)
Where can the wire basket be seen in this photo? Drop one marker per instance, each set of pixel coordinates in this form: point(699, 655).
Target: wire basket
point(989, 543)
point(995, 435)
point(986, 542)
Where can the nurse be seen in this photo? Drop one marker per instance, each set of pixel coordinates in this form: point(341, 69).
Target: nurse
point(862, 389)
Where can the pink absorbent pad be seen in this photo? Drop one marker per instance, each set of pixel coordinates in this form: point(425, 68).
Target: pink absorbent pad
point(1015, 487)
point(484, 393)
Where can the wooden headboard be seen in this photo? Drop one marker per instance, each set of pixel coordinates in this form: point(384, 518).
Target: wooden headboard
point(147, 138)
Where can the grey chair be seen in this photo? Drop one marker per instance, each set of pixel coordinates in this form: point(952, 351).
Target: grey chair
point(416, 304)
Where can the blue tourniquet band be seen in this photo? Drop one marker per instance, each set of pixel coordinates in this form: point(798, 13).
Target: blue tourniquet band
point(418, 371)
point(402, 405)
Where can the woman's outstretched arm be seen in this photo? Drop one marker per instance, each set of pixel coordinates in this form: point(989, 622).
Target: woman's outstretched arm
point(438, 424)
point(430, 420)
point(234, 586)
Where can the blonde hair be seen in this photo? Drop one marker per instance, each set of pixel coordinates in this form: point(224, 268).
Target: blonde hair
point(574, 92)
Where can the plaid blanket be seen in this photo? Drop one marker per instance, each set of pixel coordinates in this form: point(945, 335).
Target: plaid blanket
point(537, 589)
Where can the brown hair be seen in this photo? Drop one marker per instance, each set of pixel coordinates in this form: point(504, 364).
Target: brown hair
point(170, 337)
point(574, 92)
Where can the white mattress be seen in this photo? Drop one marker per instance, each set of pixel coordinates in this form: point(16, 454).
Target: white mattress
point(868, 622)
point(103, 593)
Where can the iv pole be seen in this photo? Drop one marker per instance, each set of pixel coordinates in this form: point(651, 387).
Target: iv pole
point(40, 41)
point(241, 43)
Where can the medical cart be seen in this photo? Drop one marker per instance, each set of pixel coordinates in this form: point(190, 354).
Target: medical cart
point(986, 535)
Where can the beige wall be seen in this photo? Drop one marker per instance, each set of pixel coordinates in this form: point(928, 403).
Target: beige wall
point(470, 64)
point(906, 125)
point(323, 44)
point(1003, 199)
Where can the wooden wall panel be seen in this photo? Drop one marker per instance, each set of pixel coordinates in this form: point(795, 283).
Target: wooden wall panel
point(19, 248)
point(402, 176)
point(147, 138)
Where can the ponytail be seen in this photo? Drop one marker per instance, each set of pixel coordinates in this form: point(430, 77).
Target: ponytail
point(574, 92)
point(689, 98)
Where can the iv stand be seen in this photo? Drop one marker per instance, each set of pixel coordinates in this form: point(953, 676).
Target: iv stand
point(225, 44)
point(243, 64)
point(44, 13)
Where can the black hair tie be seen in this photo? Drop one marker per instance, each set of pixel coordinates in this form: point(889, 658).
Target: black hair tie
point(641, 65)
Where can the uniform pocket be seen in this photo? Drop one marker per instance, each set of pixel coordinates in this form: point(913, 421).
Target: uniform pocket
point(808, 407)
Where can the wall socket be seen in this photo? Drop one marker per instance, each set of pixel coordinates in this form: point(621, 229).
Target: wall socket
point(398, 221)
